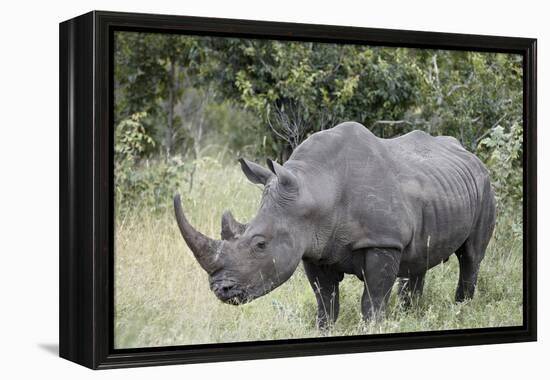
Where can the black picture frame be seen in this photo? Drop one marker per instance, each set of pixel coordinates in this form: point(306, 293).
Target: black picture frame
point(86, 189)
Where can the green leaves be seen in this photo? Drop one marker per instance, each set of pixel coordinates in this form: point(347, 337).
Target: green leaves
point(502, 152)
point(149, 184)
point(131, 139)
point(140, 182)
point(196, 95)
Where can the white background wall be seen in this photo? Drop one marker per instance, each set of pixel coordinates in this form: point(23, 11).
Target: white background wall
point(29, 187)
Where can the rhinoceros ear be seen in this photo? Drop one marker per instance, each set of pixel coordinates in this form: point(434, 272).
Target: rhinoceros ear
point(254, 172)
point(286, 179)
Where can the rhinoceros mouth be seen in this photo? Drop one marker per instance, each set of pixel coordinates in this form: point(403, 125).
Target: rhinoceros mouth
point(229, 292)
point(235, 299)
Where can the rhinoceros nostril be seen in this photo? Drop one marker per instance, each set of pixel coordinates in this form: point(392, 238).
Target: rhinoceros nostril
point(223, 288)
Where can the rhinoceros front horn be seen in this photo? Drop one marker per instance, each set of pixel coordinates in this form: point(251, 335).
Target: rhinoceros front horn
point(204, 248)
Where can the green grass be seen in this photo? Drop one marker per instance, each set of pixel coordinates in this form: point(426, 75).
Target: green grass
point(162, 295)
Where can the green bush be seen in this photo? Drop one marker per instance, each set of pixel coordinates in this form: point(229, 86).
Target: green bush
point(228, 98)
point(150, 184)
point(502, 152)
point(142, 182)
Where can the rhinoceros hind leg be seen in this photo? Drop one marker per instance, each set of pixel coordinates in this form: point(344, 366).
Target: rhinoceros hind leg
point(325, 280)
point(468, 261)
point(379, 271)
point(471, 253)
point(410, 289)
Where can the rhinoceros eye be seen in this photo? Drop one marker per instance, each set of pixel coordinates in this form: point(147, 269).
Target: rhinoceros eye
point(258, 243)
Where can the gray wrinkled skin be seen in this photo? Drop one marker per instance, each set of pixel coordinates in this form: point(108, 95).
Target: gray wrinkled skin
point(349, 202)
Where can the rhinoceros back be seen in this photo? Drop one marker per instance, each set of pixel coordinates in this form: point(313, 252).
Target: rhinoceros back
point(418, 193)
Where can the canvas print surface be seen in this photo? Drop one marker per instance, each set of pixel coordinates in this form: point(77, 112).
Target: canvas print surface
point(270, 189)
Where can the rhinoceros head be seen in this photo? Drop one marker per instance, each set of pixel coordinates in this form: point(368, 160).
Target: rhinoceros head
point(252, 259)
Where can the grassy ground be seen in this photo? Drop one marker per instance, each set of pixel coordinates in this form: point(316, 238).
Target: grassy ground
point(162, 295)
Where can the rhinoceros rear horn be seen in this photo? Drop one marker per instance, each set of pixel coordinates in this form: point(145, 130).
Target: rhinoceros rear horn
point(204, 249)
point(230, 227)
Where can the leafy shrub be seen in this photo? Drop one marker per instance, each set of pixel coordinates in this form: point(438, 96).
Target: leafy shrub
point(142, 182)
point(502, 152)
point(150, 184)
point(131, 139)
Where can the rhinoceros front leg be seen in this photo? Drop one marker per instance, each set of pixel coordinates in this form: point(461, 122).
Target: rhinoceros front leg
point(410, 289)
point(324, 280)
point(379, 269)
